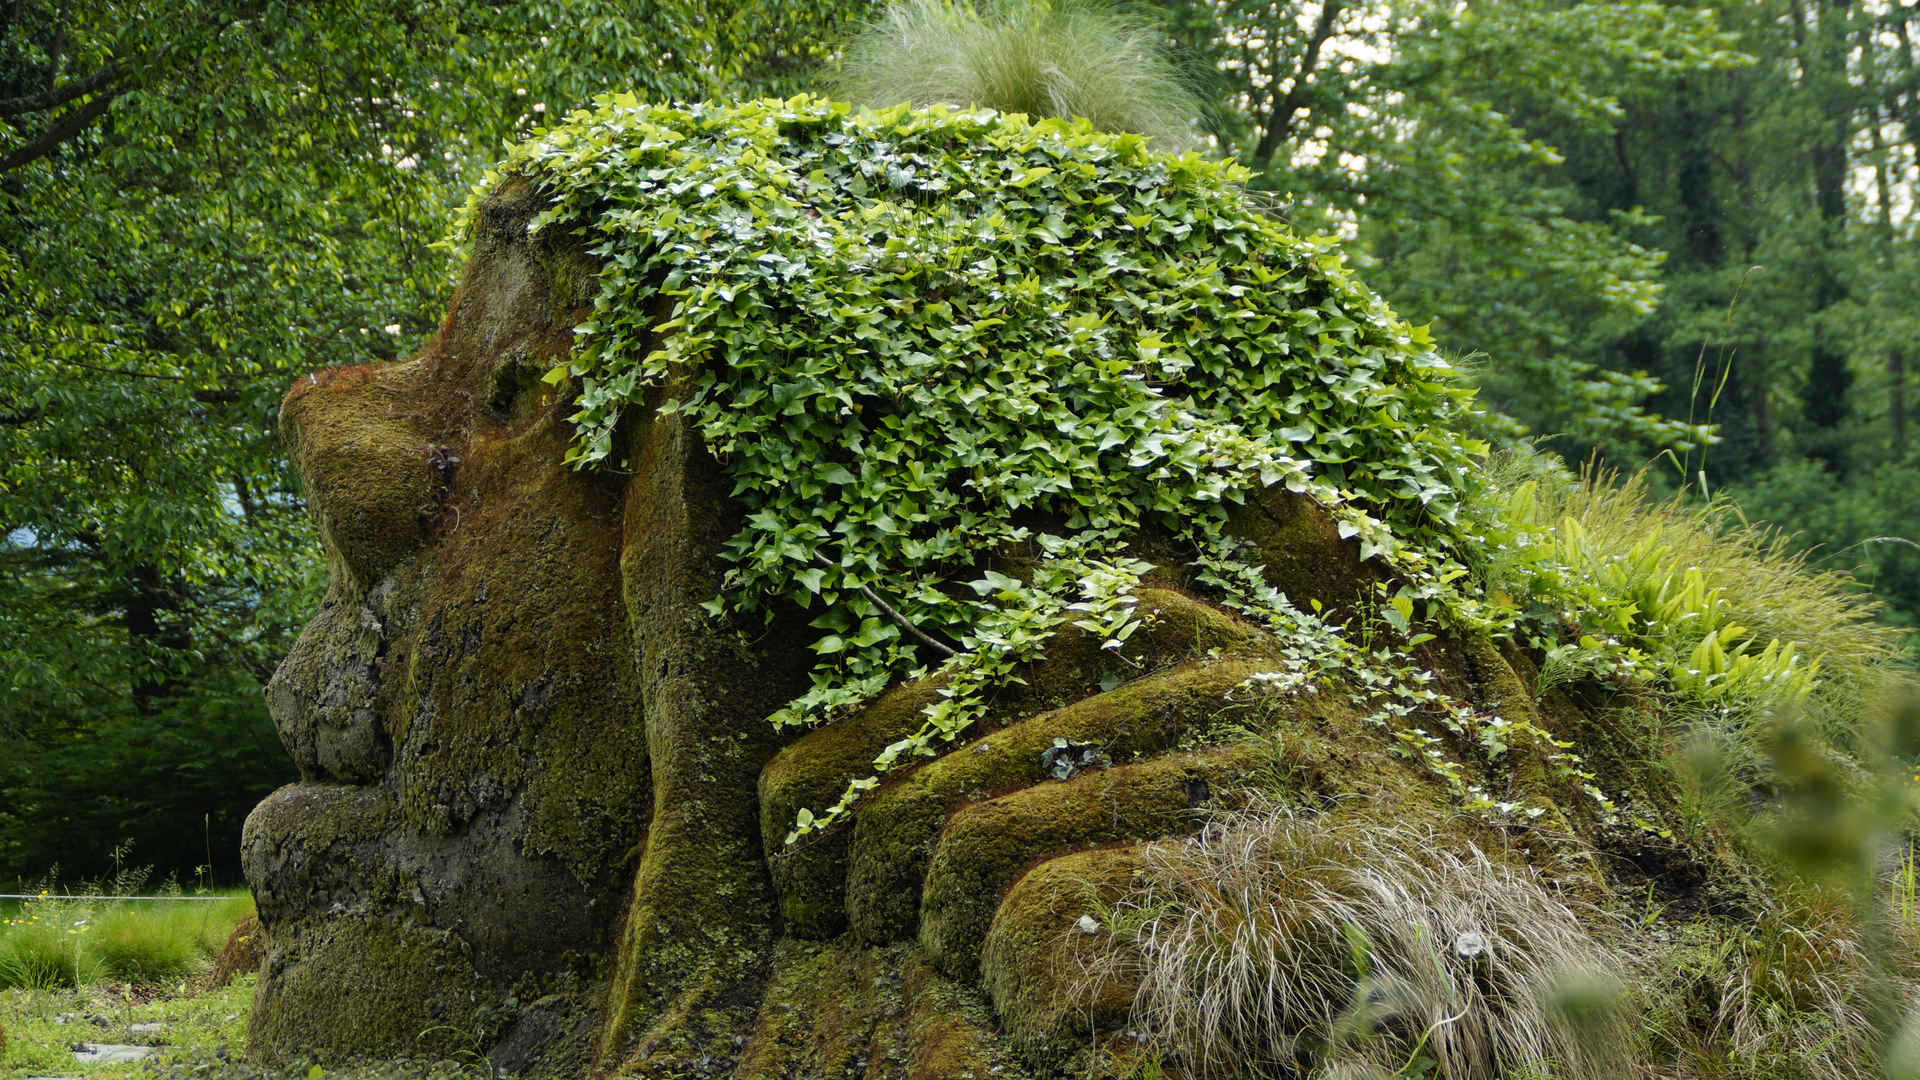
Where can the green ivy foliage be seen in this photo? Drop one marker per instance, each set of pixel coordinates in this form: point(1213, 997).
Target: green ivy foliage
point(916, 337)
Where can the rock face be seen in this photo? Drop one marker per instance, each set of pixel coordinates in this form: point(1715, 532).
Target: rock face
point(541, 814)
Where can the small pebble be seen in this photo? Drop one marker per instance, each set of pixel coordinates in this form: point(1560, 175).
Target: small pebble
point(102, 1053)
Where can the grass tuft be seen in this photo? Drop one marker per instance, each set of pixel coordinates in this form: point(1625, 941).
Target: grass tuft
point(1071, 58)
point(1789, 996)
point(52, 942)
point(43, 956)
point(143, 944)
point(1280, 944)
point(1731, 617)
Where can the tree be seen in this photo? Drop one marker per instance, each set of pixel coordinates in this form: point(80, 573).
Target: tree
point(1778, 190)
point(1434, 134)
point(198, 203)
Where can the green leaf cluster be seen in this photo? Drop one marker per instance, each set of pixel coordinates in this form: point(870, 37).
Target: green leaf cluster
point(915, 337)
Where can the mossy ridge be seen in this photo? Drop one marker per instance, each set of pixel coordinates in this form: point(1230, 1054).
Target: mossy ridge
point(893, 836)
point(984, 846)
point(699, 930)
point(1042, 968)
point(812, 770)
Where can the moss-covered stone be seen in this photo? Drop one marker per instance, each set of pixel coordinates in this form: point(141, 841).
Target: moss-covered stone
point(542, 816)
point(324, 1005)
point(700, 927)
point(469, 726)
point(812, 771)
point(894, 833)
point(1302, 553)
point(951, 1033)
point(241, 955)
point(984, 846)
point(1039, 962)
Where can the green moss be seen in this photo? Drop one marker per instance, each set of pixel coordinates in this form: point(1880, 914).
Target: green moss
point(893, 833)
point(951, 1033)
point(489, 716)
point(1302, 553)
point(699, 930)
point(1038, 965)
point(344, 434)
point(831, 1010)
point(1525, 761)
point(341, 990)
point(984, 846)
point(810, 874)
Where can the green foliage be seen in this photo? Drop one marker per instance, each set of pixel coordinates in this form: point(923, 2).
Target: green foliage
point(1434, 134)
point(1867, 525)
point(198, 203)
point(1390, 690)
point(917, 337)
point(175, 784)
point(52, 941)
point(1729, 619)
point(1039, 58)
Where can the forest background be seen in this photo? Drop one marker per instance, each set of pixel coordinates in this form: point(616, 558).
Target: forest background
point(1666, 236)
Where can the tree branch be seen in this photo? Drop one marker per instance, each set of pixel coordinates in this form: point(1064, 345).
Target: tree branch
point(129, 372)
point(60, 95)
point(932, 642)
point(1280, 120)
point(71, 123)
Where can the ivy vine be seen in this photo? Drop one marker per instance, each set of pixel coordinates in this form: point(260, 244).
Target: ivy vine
point(914, 337)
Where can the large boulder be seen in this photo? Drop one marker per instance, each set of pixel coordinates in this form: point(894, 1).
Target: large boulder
point(542, 812)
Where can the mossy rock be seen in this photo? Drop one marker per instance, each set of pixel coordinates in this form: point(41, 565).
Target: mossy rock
point(543, 814)
point(242, 953)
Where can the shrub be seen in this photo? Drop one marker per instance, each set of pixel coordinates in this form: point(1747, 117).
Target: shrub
point(1067, 59)
point(1283, 944)
point(143, 943)
point(1728, 617)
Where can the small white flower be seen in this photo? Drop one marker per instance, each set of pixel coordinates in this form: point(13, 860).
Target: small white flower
point(1087, 925)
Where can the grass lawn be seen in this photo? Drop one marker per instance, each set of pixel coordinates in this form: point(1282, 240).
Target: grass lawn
point(199, 1034)
point(135, 973)
point(202, 1034)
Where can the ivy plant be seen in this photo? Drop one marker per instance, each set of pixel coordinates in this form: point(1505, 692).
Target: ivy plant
point(914, 337)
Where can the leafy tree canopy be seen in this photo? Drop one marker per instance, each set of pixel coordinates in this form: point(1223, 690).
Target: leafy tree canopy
point(199, 202)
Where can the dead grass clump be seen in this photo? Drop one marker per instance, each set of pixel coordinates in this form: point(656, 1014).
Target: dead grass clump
point(1274, 944)
point(1782, 997)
